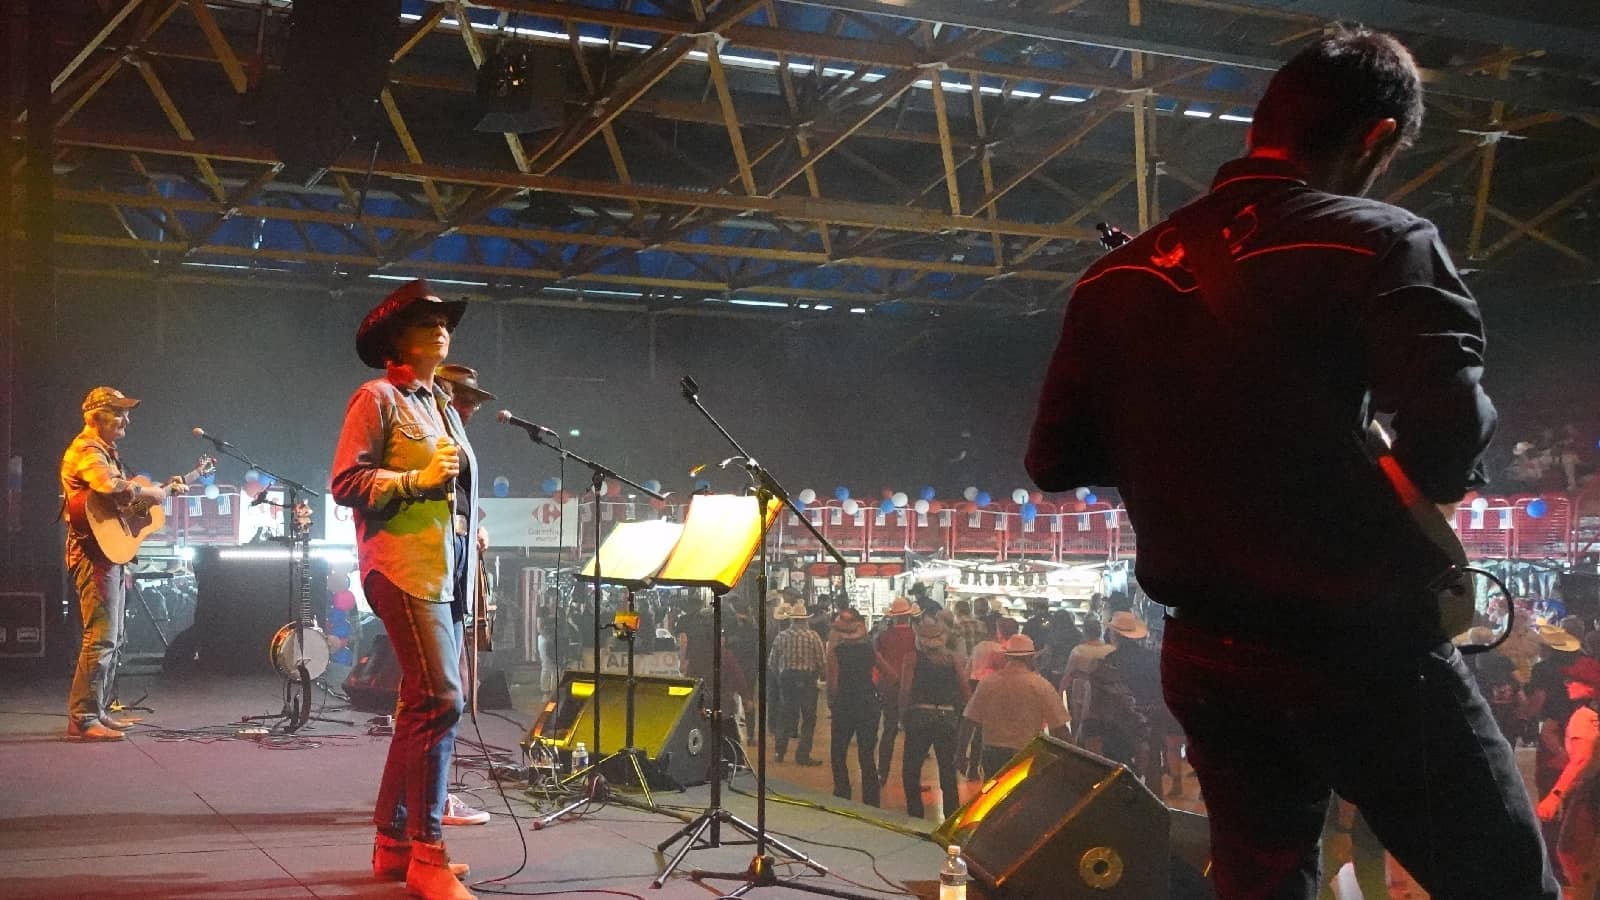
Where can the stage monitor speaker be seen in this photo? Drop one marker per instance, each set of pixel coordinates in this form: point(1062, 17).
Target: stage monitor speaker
point(373, 684)
point(670, 723)
point(1061, 823)
point(243, 596)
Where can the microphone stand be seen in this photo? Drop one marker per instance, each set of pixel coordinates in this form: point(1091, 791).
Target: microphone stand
point(639, 766)
point(299, 543)
point(762, 872)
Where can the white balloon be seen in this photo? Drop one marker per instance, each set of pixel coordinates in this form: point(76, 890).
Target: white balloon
point(852, 506)
point(1081, 493)
point(920, 506)
point(808, 496)
point(900, 499)
point(212, 492)
point(1019, 496)
point(1479, 504)
point(971, 493)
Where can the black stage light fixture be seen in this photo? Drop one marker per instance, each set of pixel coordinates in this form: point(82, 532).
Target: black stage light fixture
point(513, 92)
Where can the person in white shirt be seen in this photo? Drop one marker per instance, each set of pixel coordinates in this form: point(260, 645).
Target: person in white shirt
point(1012, 706)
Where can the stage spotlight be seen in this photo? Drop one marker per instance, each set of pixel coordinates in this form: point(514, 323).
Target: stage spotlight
point(514, 92)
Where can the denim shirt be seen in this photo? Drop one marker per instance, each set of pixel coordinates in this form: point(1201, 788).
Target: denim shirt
point(391, 429)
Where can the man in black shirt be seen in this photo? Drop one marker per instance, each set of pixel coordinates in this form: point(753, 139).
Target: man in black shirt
point(1220, 370)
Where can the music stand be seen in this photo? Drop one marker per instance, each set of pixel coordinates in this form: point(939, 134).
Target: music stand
point(768, 491)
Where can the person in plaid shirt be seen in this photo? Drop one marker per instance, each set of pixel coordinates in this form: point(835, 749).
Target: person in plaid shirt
point(797, 660)
point(90, 463)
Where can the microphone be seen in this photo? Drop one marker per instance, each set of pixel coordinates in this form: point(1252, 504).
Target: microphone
point(690, 389)
point(199, 432)
point(533, 429)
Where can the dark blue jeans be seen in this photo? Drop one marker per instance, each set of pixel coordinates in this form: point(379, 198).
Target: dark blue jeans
point(1274, 724)
point(416, 776)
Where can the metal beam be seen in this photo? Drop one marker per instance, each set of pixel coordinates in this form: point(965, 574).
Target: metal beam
point(94, 43)
point(1548, 213)
point(220, 46)
point(1091, 114)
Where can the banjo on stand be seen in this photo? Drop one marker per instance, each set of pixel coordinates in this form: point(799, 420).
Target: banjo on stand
point(299, 650)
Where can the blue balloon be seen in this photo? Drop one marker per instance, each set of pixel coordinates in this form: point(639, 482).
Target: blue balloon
point(886, 506)
point(209, 479)
point(1029, 512)
point(799, 502)
point(502, 486)
point(702, 485)
point(268, 481)
point(983, 498)
point(550, 485)
point(1090, 499)
point(1537, 508)
point(841, 493)
point(653, 485)
point(928, 493)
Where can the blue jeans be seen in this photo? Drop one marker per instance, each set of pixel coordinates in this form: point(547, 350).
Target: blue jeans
point(102, 596)
point(1275, 724)
point(416, 776)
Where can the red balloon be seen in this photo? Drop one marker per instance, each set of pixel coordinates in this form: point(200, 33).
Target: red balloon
point(345, 600)
point(613, 489)
point(935, 505)
point(1037, 497)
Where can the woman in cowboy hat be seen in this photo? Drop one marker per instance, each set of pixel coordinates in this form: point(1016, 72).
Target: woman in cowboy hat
point(853, 703)
point(406, 470)
point(1573, 799)
point(933, 691)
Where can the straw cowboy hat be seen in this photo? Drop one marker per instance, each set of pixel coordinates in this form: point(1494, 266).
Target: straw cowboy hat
point(1129, 626)
point(1019, 645)
point(795, 610)
point(901, 607)
point(384, 321)
point(1558, 638)
point(463, 381)
point(931, 634)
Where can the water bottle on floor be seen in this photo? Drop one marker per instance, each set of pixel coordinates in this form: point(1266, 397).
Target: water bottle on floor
point(953, 875)
point(580, 757)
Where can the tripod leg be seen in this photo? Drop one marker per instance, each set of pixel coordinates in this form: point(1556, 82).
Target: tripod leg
point(694, 832)
point(644, 783)
point(791, 852)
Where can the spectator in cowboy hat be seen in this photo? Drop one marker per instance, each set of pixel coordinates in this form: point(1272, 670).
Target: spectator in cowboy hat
point(461, 383)
point(796, 661)
point(1011, 707)
point(1572, 799)
point(1547, 709)
point(853, 702)
point(933, 691)
point(897, 642)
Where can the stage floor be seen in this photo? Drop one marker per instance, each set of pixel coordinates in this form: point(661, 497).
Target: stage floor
point(187, 807)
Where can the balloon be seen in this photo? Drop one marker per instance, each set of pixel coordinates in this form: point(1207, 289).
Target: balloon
point(502, 486)
point(212, 492)
point(921, 506)
point(887, 493)
point(935, 505)
point(900, 499)
point(983, 499)
point(886, 505)
point(613, 489)
point(841, 493)
point(1081, 493)
point(1090, 499)
point(928, 493)
point(1537, 508)
point(209, 479)
point(1036, 497)
point(653, 485)
point(345, 600)
point(252, 475)
point(551, 485)
point(1029, 512)
point(808, 496)
point(1019, 496)
point(851, 507)
point(1479, 504)
point(702, 485)
point(971, 493)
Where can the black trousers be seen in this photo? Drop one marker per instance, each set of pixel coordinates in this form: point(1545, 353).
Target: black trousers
point(925, 730)
point(1274, 724)
point(886, 736)
point(796, 711)
point(860, 723)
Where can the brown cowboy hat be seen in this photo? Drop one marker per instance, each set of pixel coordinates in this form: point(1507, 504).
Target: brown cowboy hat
point(385, 320)
point(463, 381)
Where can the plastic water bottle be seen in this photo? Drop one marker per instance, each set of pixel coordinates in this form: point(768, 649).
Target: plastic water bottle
point(580, 757)
point(953, 875)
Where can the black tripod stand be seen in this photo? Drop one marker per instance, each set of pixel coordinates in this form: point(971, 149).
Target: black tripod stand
point(629, 764)
point(761, 872)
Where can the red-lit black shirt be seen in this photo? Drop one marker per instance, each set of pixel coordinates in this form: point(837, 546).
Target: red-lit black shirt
point(1228, 410)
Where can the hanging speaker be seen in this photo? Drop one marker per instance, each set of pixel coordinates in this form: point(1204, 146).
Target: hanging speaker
point(1061, 823)
point(334, 65)
point(670, 724)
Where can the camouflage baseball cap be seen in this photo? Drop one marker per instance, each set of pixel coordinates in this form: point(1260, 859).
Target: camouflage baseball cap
point(107, 398)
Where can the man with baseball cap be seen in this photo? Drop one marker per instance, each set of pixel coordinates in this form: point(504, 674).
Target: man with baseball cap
point(90, 463)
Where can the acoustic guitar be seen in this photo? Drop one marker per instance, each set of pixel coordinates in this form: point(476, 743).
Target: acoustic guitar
point(118, 527)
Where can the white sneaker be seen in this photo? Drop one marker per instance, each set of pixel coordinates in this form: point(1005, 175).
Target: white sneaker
point(457, 812)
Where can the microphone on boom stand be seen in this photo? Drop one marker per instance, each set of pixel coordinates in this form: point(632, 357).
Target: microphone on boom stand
point(534, 429)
